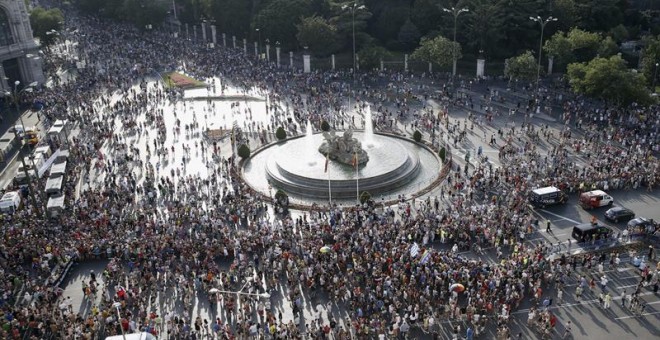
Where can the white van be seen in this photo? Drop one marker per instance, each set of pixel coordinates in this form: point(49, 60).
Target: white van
point(10, 202)
point(33, 165)
point(133, 336)
point(55, 206)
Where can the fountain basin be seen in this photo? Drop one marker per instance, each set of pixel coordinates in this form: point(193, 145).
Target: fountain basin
point(395, 165)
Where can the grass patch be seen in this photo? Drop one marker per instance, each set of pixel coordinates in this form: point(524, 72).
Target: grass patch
point(176, 79)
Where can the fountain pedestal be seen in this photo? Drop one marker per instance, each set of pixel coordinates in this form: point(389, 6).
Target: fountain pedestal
point(345, 149)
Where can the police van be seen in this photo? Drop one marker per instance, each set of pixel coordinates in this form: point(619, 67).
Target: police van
point(542, 197)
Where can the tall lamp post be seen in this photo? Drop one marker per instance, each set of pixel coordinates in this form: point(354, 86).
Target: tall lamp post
point(543, 23)
point(655, 76)
point(15, 96)
point(117, 305)
point(353, 8)
point(455, 12)
point(259, 40)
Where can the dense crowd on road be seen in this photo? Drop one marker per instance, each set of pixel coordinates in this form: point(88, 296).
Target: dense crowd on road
point(169, 233)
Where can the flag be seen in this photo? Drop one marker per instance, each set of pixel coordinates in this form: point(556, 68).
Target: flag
point(414, 249)
point(327, 159)
point(425, 257)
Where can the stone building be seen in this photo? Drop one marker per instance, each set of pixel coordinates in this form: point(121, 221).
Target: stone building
point(19, 53)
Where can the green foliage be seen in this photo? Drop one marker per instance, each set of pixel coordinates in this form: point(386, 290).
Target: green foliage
point(560, 48)
point(278, 19)
point(371, 56)
point(584, 44)
point(316, 33)
point(280, 133)
point(567, 13)
point(650, 57)
point(438, 50)
point(417, 136)
point(409, 35)
point(140, 13)
point(483, 27)
point(608, 47)
point(46, 24)
point(609, 79)
point(281, 197)
point(522, 67)
point(388, 21)
point(244, 151)
point(578, 45)
point(325, 126)
point(619, 33)
point(443, 154)
point(365, 197)
point(600, 15)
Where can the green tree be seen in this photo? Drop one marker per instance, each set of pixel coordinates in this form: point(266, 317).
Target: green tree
point(46, 24)
point(483, 26)
point(608, 47)
point(560, 48)
point(650, 57)
point(409, 35)
point(365, 197)
point(318, 34)
point(244, 151)
point(371, 56)
point(521, 67)
point(584, 44)
point(443, 154)
point(325, 126)
point(280, 133)
point(619, 33)
point(600, 15)
point(438, 50)
point(610, 80)
point(567, 13)
point(342, 19)
point(425, 14)
point(278, 19)
point(417, 136)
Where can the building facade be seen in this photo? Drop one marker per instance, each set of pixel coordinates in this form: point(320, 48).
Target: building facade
point(19, 53)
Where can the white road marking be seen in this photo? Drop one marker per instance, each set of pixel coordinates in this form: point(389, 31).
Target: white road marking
point(560, 216)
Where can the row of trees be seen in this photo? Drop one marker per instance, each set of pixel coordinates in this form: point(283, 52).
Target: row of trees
point(499, 28)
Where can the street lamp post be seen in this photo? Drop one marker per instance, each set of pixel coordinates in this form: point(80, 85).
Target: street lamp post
point(543, 23)
point(258, 41)
point(455, 12)
point(117, 305)
point(655, 76)
point(353, 8)
point(15, 96)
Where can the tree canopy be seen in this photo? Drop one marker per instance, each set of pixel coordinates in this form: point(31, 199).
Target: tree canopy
point(610, 80)
point(438, 50)
point(521, 67)
point(46, 24)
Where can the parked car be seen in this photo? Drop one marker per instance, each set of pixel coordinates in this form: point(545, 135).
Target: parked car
point(584, 232)
point(642, 224)
point(617, 214)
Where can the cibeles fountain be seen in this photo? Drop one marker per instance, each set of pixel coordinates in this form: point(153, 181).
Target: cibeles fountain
point(338, 165)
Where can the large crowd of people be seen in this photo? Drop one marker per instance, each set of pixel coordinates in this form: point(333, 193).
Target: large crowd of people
point(169, 232)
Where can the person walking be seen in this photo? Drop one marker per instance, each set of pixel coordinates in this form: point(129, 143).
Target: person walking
point(560, 296)
point(608, 300)
point(567, 330)
point(623, 299)
point(548, 229)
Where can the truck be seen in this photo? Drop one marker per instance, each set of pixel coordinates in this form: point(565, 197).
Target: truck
point(595, 199)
